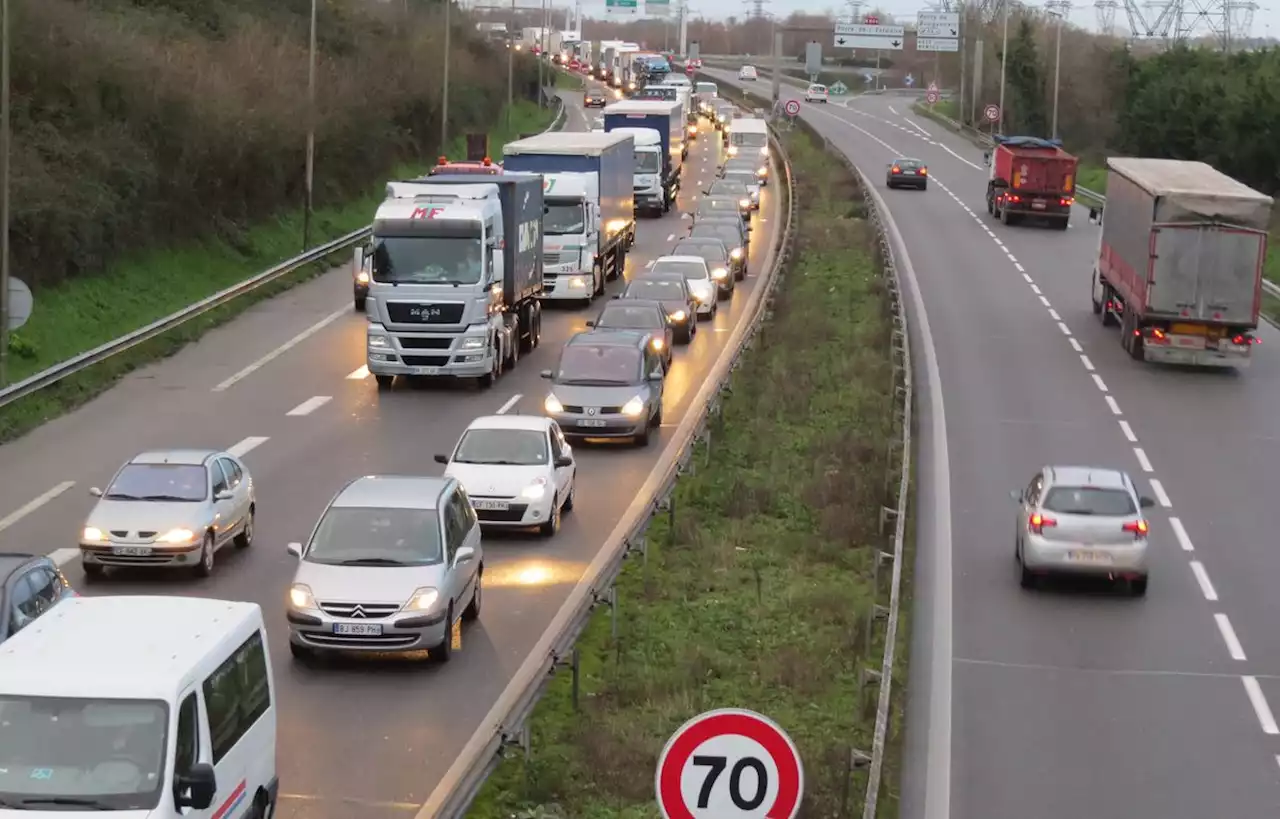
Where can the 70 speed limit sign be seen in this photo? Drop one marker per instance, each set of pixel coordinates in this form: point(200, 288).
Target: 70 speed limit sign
point(730, 764)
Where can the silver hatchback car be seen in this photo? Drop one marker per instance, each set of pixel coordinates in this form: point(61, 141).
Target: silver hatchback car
point(393, 563)
point(1084, 521)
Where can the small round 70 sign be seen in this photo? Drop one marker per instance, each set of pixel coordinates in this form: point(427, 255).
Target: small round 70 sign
point(730, 764)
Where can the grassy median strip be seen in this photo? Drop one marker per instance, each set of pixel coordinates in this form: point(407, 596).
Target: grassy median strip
point(758, 595)
point(94, 309)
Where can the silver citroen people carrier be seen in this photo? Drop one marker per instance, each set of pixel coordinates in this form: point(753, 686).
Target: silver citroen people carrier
point(391, 566)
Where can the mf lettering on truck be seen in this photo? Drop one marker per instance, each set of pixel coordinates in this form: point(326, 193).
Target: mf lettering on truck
point(426, 213)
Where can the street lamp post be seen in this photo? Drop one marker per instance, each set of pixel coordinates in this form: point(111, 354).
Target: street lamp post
point(5, 136)
point(1057, 66)
point(511, 61)
point(444, 80)
point(1004, 63)
point(311, 130)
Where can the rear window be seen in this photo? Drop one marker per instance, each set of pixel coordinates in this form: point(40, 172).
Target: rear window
point(1084, 500)
point(908, 164)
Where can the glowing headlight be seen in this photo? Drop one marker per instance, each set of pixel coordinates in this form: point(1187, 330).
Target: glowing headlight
point(536, 490)
point(362, 277)
point(177, 536)
point(422, 599)
point(702, 291)
point(657, 344)
point(552, 404)
point(762, 170)
point(678, 315)
point(719, 273)
point(93, 534)
point(693, 130)
point(764, 151)
point(744, 203)
point(633, 407)
point(736, 253)
point(300, 596)
point(379, 341)
point(733, 150)
point(473, 343)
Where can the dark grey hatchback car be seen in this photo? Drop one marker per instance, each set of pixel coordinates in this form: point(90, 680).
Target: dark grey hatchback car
point(30, 585)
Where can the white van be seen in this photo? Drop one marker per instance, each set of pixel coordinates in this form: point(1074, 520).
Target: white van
point(749, 136)
point(147, 707)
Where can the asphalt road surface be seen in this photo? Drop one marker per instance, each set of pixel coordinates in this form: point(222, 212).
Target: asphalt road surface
point(285, 386)
point(1074, 701)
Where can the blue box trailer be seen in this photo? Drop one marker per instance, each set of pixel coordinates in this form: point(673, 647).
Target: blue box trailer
point(667, 118)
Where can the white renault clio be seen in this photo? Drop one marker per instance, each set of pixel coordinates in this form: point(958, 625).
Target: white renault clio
point(518, 470)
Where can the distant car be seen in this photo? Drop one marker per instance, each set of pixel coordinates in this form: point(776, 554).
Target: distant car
point(698, 275)
point(716, 255)
point(169, 509)
point(517, 469)
point(30, 585)
point(760, 167)
point(724, 113)
point(673, 292)
point(816, 93)
point(748, 72)
point(745, 176)
point(607, 384)
point(733, 189)
point(907, 173)
point(677, 79)
point(723, 206)
point(393, 563)
point(1083, 521)
point(640, 314)
point(595, 98)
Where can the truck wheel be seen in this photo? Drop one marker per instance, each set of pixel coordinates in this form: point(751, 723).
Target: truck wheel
point(1063, 223)
point(488, 379)
point(359, 302)
point(384, 381)
point(597, 281)
point(1004, 216)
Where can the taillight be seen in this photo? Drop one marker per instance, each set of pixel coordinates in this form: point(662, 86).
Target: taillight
point(1037, 522)
point(1157, 333)
point(896, 169)
point(1065, 201)
point(924, 171)
point(1243, 340)
point(1138, 527)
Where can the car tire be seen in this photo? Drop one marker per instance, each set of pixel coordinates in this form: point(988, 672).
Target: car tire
point(472, 612)
point(443, 652)
point(245, 539)
point(552, 526)
point(1138, 586)
point(573, 488)
point(1027, 578)
point(359, 303)
point(384, 381)
point(642, 438)
point(205, 567)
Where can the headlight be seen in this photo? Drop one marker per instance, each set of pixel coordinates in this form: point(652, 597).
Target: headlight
point(552, 405)
point(764, 151)
point(535, 490)
point(678, 315)
point(657, 343)
point(472, 343)
point(763, 171)
point(719, 273)
point(633, 407)
point(733, 150)
point(177, 536)
point(93, 534)
point(735, 254)
point(422, 599)
point(744, 203)
point(379, 341)
point(300, 596)
point(362, 277)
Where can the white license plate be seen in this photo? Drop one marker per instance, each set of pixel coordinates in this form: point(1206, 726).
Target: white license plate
point(590, 422)
point(426, 370)
point(131, 551)
point(1088, 556)
point(1037, 205)
point(491, 505)
point(358, 629)
point(1189, 342)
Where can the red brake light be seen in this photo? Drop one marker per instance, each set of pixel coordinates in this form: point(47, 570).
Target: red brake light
point(1244, 340)
point(1138, 527)
point(924, 171)
point(444, 160)
point(1039, 521)
point(1156, 332)
point(896, 169)
point(1066, 200)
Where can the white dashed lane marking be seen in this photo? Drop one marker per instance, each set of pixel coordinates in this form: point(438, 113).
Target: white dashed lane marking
point(1206, 585)
point(1162, 498)
point(1229, 637)
point(310, 405)
point(1180, 534)
point(248, 444)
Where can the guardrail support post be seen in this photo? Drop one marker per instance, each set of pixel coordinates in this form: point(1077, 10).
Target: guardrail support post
point(575, 666)
point(613, 613)
point(885, 515)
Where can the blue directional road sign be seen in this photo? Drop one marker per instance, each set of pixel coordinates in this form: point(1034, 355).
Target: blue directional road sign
point(910, 81)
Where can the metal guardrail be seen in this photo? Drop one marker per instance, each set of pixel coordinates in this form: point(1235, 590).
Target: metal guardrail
point(507, 721)
point(83, 361)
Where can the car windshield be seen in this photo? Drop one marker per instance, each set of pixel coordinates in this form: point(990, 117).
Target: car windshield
point(817, 89)
point(368, 536)
point(59, 753)
point(744, 177)
point(159, 482)
point(599, 364)
point(624, 316)
point(728, 189)
point(506, 447)
point(748, 139)
point(657, 290)
point(648, 162)
point(427, 260)
point(1087, 500)
point(690, 270)
point(724, 234)
point(908, 164)
point(707, 88)
point(707, 249)
point(563, 218)
point(718, 204)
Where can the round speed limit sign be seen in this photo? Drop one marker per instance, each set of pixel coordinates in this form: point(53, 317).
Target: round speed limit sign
point(792, 107)
point(730, 764)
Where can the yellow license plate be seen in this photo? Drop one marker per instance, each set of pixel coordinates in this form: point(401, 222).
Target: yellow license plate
point(1189, 330)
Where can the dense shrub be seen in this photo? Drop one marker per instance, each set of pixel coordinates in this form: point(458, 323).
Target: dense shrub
point(142, 122)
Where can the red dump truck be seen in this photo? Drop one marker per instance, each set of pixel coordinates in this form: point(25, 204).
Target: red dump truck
point(1031, 177)
point(1180, 260)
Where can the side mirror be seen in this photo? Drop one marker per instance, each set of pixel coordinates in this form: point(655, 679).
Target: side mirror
point(563, 461)
point(986, 159)
point(656, 375)
point(294, 549)
point(197, 787)
point(95, 491)
point(1095, 216)
point(1015, 494)
point(591, 323)
point(1145, 502)
point(358, 261)
point(545, 374)
point(442, 459)
point(463, 555)
point(225, 494)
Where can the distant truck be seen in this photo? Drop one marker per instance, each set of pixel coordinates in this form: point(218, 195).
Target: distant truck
point(455, 276)
point(657, 178)
point(589, 222)
point(1180, 262)
point(1031, 177)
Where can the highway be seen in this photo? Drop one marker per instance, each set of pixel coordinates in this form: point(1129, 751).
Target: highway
point(1070, 702)
point(285, 387)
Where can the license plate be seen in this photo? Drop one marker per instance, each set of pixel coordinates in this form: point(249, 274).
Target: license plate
point(590, 422)
point(908, 173)
point(1179, 329)
point(426, 370)
point(491, 505)
point(1191, 342)
point(131, 551)
point(358, 629)
point(1088, 556)
point(1037, 205)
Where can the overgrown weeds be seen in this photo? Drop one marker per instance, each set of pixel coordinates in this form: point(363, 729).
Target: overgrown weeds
point(757, 595)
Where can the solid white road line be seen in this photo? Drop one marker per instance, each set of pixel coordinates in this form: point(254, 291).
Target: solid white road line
point(252, 442)
point(359, 374)
point(511, 402)
point(34, 504)
point(1179, 532)
point(1162, 497)
point(283, 348)
point(957, 156)
point(310, 405)
point(1143, 460)
point(1127, 430)
point(1206, 585)
point(1229, 637)
point(1260, 707)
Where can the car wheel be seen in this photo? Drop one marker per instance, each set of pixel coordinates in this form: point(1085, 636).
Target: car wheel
point(359, 302)
point(552, 525)
point(472, 612)
point(443, 652)
point(573, 487)
point(1138, 586)
point(245, 539)
point(642, 437)
point(384, 381)
point(205, 567)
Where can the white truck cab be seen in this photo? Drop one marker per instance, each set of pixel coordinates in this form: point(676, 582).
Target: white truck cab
point(647, 179)
point(148, 707)
point(571, 234)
